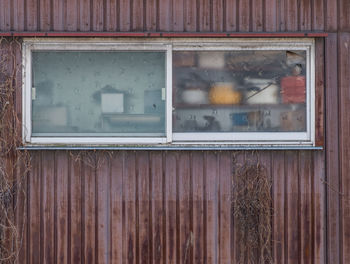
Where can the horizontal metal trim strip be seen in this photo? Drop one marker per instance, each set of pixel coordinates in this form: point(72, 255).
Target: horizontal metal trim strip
point(164, 34)
point(216, 148)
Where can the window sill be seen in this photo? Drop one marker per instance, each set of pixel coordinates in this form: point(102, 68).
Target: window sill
point(173, 147)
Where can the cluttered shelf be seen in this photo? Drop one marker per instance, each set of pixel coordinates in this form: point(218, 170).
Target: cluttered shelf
point(240, 92)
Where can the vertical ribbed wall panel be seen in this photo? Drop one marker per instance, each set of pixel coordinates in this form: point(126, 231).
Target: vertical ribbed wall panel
point(344, 143)
point(166, 207)
point(143, 207)
point(179, 15)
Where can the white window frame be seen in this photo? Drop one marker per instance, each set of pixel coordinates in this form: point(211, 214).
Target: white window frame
point(48, 45)
point(168, 46)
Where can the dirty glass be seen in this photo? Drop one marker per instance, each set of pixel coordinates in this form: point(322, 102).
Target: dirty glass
point(107, 93)
point(239, 91)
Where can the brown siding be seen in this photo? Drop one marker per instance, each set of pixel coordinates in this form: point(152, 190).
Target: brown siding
point(179, 15)
point(344, 138)
point(145, 206)
point(332, 146)
point(319, 87)
point(165, 207)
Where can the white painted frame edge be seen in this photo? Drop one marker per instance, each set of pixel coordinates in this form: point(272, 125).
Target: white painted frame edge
point(307, 137)
point(26, 93)
point(312, 82)
point(29, 46)
point(170, 45)
point(169, 93)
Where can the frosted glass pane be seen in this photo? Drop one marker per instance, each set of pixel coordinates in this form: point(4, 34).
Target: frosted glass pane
point(239, 91)
point(98, 93)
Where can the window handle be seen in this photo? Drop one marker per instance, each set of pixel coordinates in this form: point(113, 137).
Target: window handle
point(33, 93)
point(163, 94)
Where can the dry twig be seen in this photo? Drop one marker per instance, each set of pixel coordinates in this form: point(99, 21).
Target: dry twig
point(14, 164)
point(252, 212)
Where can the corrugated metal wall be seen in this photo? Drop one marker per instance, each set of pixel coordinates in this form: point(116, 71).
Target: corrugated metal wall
point(171, 206)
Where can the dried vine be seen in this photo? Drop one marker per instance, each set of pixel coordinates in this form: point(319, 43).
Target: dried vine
point(252, 211)
point(14, 163)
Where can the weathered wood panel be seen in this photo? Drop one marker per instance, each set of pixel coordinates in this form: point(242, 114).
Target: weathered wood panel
point(66, 203)
point(291, 206)
point(211, 203)
point(171, 210)
point(244, 17)
point(190, 13)
point(129, 208)
point(304, 13)
point(344, 137)
point(180, 15)
point(271, 15)
point(257, 15)
point(224, 214)
point(58, 14)
point(318, 14)
point(332, 149)
point(84, 17)
point(144, 208)
point(278, 223)
point(103, 209)
point(19, 14)
point(305, 205)
point(318, 198)
point(34, 215)
point(89, 210)
point(156, 211)
point(116, 207)
point(204, 15)
point(5, 15)
point(75, 210)
point(71, 15)
point(165, 15)
point(177, 16)
point(45, 15)
point(230, 11)
point(137, 16)
point(125, 15)
point(98, 23)
point(331, 15)
point(151, 15)
point(31, 15)
point(166, 207)
point(198, 207)
point(320, 90)
point(111, 16)
point(61, 209)
point(218, 15)
point(48, 210)
point(184, 206)
point(343, 16)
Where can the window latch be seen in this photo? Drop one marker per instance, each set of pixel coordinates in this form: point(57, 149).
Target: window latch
point(33, 93)
point(163, 94)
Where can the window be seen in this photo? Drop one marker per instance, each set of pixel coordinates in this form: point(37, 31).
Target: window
point(169, 91)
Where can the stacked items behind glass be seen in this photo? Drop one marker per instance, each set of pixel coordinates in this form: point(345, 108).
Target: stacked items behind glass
point(252, 90)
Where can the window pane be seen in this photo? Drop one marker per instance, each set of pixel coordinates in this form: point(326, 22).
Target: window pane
point(98, 93)
point(239, 91)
